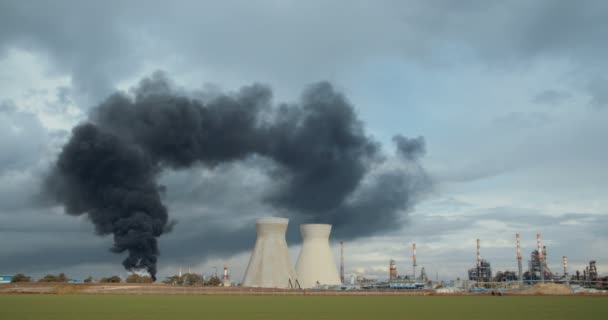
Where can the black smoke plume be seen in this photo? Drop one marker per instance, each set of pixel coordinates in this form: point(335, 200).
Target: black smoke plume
point(325, 164)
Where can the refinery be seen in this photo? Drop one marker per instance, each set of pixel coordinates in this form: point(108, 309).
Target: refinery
point(271, 267)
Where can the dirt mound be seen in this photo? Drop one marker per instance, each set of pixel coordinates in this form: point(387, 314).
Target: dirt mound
point(549, 289)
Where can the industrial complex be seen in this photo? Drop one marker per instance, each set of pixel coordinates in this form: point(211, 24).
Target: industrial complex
point(271, 267)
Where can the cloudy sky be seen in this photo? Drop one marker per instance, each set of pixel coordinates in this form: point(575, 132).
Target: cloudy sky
point(511, 98)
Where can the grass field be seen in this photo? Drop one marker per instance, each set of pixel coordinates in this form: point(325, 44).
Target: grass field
point(68, 307)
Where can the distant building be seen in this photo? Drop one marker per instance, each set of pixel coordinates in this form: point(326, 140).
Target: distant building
point(6, 279)
point(75, 281)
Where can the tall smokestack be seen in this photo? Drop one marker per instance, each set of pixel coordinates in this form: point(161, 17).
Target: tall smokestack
point(180, 271)
point(226, 281)
point(392, 275)
point(565, 262)
point(520, 274)
point(414, 259)
point(539, 243)
point(478, 255)
point(342, 262)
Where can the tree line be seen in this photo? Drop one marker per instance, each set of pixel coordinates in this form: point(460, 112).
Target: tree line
point(188, 279)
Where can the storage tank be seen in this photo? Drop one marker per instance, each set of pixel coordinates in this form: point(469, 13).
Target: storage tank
point(316, 265)
point(270, 265)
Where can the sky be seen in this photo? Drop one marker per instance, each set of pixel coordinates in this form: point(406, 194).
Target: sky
point(510, 97)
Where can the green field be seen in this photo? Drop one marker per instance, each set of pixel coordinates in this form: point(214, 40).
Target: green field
point(80, 307)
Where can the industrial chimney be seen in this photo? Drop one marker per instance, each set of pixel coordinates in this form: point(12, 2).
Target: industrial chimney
point(392, 270)
point(270, 265)
point(539, 242)
point(414, 259)
point(478, 255)
point(316, 265)
point(342, 262)
point(520, 274)
point(226, 279)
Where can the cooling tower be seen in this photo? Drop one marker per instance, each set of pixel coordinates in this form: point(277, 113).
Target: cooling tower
point(316, 264)
point(270, 265)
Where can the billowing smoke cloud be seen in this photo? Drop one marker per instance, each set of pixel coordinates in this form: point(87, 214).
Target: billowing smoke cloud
point(326, 167)
point(114, 183)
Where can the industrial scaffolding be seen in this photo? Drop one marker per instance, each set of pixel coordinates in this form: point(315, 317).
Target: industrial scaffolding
point(482, 272)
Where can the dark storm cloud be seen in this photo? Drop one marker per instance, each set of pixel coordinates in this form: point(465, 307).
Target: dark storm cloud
point(516, 30)
point(598, 87)
point(521, 120)
point(83, 39)
point(101, 43)
point(7, 106)
point(44, 255)
point(23, 139)
point(321, 155)
point(551, 97)
point(409, 148)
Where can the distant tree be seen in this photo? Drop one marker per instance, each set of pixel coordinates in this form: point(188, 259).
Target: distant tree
point(20, 277)
point(213, 281)
point(62, 278)
point(88, 279)
point(192, 279)
point(48, 278)
point(132, 278)
point(135, 278)
point(112, 279)
point(176, 280)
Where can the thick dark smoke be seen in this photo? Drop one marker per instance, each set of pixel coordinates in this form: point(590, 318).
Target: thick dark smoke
point(327, 168)
point(114, 183)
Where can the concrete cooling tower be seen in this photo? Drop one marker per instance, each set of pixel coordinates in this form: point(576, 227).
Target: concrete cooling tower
point(316, 264)
point(270, 265)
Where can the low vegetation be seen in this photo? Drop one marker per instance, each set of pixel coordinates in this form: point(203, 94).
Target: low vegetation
point(161, 307)
point(191, 279)
point(136, 278)
point(20, 277)
point(54, 278)
point(112, 279)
